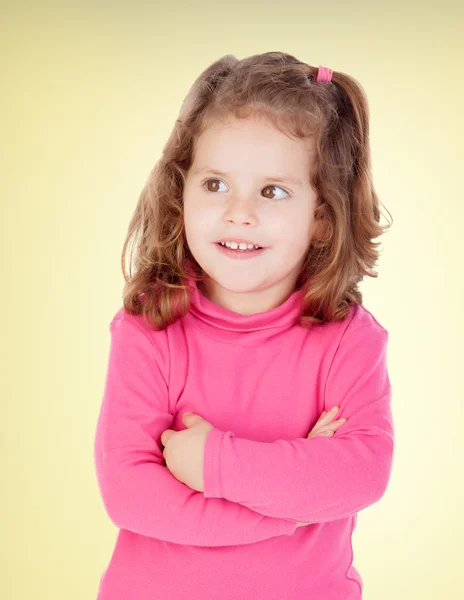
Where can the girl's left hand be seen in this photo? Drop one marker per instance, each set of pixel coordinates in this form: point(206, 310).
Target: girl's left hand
point(184, 450)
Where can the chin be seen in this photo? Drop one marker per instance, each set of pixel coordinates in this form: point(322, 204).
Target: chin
point(239, 284)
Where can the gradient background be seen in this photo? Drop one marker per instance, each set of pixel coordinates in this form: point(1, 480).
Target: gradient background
point(89, 94)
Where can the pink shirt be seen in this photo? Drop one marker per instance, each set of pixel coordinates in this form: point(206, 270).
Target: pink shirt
point(262, 382)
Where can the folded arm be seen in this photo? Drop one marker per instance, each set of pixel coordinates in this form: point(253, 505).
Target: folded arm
point(138, 491)
point(317, 479)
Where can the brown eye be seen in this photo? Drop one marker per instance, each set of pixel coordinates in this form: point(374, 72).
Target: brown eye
point(206, 185)
point(207, 182)
point(277, 187)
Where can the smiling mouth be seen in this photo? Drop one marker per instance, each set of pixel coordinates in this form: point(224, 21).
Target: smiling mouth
point(256, 247)
point(240, 254)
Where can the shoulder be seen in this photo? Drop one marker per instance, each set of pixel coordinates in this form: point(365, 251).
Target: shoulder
point(360, 316)
point(127, 322)
point(359, 344)
point(135, 331)
point(359, 328)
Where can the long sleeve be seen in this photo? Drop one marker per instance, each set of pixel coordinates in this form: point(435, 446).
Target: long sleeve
point(139, 492)
point(318, 479)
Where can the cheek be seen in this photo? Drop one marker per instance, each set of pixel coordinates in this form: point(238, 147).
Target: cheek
point(192, 217)
point(294, 231)
point(200, 224)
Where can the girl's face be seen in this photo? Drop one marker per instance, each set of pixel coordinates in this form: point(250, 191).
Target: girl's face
point(263, 195)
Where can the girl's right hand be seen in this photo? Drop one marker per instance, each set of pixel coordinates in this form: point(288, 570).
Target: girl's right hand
point(325, 427)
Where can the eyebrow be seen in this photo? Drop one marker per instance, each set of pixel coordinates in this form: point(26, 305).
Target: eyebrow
point(282, 179)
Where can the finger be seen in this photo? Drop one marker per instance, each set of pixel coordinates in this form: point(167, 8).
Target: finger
point(333, 425)
point(325, 428)
point(325, 433)
point(327, 416)
point(319, 431)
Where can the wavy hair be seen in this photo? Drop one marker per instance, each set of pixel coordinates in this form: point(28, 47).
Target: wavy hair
point(282, 89)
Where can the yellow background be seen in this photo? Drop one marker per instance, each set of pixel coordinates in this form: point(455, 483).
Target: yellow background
point(89, 94)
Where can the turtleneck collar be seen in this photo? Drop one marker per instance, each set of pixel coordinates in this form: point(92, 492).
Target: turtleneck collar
point(231, 327)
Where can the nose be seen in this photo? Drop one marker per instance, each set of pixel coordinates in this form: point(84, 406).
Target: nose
point(240, 210)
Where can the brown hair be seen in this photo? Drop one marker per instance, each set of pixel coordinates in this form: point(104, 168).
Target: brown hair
point(279, 87)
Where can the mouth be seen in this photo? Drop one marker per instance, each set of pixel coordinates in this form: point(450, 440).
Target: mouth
point(255, 246)
point(238, 253)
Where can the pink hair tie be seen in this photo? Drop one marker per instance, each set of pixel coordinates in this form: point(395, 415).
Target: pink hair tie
point(324, 74)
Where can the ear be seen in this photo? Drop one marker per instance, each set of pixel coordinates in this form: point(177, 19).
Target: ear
point(321, 231)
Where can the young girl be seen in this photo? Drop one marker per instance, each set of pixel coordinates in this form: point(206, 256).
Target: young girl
point(251, 236)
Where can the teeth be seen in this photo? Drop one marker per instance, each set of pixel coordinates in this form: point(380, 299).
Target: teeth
point(237, 246)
